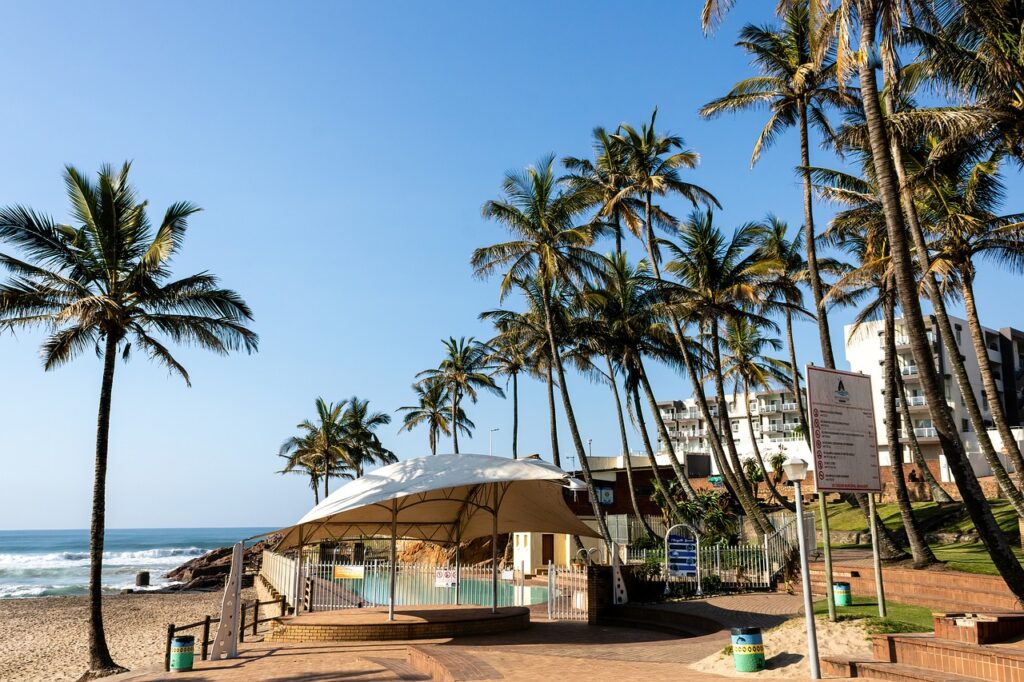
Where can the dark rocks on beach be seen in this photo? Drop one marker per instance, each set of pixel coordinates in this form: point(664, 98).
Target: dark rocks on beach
point(209, 571)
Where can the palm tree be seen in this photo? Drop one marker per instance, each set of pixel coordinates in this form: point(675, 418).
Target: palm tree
point(796, 85)
point(303, 456)
point(528, 330)
point(605, 181)
point(363, 445)
point(719, 279)
point(323, 441)
point(464, 371)
point(433, 408)
point(550, 246)
point(961, 196)
point(104, 284)
point(870, 283)
point(507, 358)
point(873, 21)
point(747, 367)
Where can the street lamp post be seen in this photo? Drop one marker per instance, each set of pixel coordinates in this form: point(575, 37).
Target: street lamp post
point(490, 440)
point(796, 469)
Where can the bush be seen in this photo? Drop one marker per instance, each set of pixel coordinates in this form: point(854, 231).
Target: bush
point(711, 584)
point(647, 541)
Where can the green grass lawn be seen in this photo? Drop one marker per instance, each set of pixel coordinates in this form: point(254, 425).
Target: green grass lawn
point(899, 617)
point(933, 517)
point(972, 558)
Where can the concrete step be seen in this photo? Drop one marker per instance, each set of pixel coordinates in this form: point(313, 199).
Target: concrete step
point(899, 672)
point(946, 657)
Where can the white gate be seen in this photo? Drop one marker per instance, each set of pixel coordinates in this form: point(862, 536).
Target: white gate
point(567, 592)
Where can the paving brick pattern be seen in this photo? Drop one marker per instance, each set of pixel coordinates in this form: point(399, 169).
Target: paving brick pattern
point(547, 650)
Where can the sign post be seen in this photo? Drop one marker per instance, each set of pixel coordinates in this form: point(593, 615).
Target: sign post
point(844, 443)
point(682, 557)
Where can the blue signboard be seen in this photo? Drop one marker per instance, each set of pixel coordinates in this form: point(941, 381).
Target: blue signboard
point(682, 556)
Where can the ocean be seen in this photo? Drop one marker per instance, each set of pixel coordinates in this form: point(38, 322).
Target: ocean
point(41, 563)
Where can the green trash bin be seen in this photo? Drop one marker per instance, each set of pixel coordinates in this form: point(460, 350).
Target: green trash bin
point(747, 650)
point(842, 594)
point(182, 650)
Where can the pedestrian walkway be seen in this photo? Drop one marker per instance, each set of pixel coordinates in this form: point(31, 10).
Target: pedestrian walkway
point(547, 650)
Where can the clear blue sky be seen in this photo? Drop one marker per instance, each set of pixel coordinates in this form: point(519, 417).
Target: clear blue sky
point(342, 152)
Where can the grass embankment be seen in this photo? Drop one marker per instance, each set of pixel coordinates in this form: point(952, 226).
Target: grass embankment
point(899, 617)
point(935, 518)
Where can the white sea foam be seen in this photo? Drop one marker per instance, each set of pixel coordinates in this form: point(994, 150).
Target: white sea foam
point(147, 557)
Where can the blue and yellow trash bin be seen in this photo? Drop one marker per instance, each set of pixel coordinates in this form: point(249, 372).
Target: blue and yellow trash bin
point(182, 650)
point(747, 650)
point(842, 593)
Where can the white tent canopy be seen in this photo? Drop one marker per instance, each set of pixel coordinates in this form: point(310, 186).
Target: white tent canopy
point(444, 498)
point(447, 499)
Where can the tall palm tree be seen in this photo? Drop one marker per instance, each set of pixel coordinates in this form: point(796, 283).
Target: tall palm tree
point(796, 85)
point(881, 18)
point(528, 329)
point(322, 440)
point(548, 245)
point(433, 408)
point(104, 283)
point(961, 197)
point(605, 182)
point(748, 367)
point(718, 281)
point(870, 284)
point(465, 372)
point(654, 163)
point(507, 358)
point(362, 444)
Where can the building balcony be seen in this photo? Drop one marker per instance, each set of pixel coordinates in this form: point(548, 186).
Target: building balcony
point(790, 407)
point(768, 409)
point(773, 428)
point(909, 371)
point(922, 433)
point(790, 426)
point(994, 355)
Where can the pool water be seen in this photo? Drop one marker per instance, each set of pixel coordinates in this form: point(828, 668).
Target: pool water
point(419, 590)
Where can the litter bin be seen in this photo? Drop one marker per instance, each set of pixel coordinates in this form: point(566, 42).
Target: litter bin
point(182, 650)
point(747, 650)
point(842, 593)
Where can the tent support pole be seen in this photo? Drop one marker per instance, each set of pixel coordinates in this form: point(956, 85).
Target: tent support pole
point(458, 566)
point(494, 552)
point(394, 559)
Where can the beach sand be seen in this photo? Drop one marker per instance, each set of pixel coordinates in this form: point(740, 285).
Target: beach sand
point(45, 638)
point(785, 649)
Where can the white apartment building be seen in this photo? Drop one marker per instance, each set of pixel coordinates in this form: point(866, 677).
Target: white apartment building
point(865, 353)
point(776, 425)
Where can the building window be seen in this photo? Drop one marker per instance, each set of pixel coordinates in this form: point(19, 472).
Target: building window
point(958, 330)
point(965, 425)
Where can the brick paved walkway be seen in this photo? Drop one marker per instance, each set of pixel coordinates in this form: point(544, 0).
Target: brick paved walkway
point(548, 650)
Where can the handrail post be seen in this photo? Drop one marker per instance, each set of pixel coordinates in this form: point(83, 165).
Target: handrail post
point(241, 626)
point(167, 650)
point(255, 616)
point(284, 606)
point(206, 639)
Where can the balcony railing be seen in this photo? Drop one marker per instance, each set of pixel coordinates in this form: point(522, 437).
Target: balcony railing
point(790, 407)
point(768, 409)
point(909, 370)
point(921, 432)
point(790, 426)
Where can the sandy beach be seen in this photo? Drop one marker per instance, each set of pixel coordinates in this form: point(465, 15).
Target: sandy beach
point(45, 638)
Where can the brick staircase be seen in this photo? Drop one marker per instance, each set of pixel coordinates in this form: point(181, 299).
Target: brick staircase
point(963, 648)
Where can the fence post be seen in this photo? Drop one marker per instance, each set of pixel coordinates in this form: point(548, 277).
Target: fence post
point(255, 616)
point(204, 649)
point(767, 565)
point(241, 626)
point(551, 590)
point(167, 649)
point(284, 606)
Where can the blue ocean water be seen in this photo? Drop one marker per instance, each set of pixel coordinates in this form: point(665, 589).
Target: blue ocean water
point(39, 563)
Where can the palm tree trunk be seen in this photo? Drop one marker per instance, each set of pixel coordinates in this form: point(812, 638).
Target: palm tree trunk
point(327, 477)
point(315, 485)
point(553, 418)
point(757, 453)
point(956, 458)
point(100, 661)
point(659, 482)
point(515, 415)
point(919, 549)
point(948, 337)
point(455, 421)
point(570, 417)
point(625, 447)
point(432, 437)
point(794, 370)
point(824, 335)
point(723, 407)
point(995, 405)
point(684, 481)
point(938, 493)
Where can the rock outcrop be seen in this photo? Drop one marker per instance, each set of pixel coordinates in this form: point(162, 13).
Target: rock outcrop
point(209, 571)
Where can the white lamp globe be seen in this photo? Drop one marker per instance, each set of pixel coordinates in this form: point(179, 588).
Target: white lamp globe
point(795, 469)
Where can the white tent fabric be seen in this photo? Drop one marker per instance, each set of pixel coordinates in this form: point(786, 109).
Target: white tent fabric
point(444, 498)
